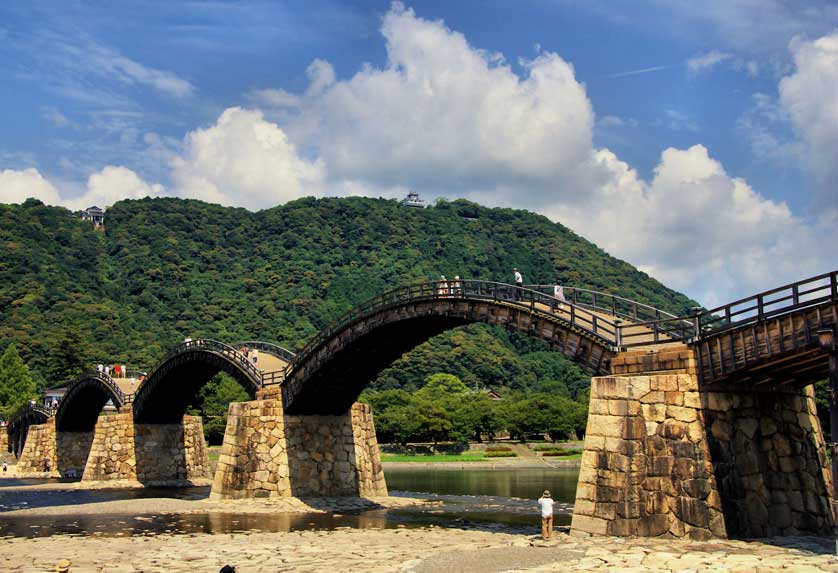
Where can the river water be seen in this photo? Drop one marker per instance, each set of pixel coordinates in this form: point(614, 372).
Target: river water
point(485, 498)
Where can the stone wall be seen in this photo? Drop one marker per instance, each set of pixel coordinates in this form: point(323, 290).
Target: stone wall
point(646, 469)
point(112, 451)
point(171, 452)
point(72, 451)
point(150, 453)
point(665, 457)
point(38, 455)
point(5, 454)
point(770, 462)
point(267, 454)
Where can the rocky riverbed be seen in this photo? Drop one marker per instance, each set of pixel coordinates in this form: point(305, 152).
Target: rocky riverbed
point(100, 531)
point(419, 550)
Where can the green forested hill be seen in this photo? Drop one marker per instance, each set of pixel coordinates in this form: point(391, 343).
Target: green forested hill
point(167, 268)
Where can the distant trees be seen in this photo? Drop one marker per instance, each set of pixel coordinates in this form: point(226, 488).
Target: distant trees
point(16, 385)
point(213, 402)
point(446, 410)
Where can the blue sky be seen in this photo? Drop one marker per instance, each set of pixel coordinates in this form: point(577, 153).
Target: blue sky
point(694, 140)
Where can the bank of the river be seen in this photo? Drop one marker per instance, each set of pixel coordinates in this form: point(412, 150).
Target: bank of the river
point(418, 550)
point(501, 463)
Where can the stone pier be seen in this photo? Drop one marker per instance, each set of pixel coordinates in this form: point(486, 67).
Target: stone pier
point(150, 453)
point(664, 457)
point(268, 454)
point(39, 454)
point(5, 454)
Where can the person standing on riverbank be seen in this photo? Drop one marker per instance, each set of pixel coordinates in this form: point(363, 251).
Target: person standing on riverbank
point(545, 502)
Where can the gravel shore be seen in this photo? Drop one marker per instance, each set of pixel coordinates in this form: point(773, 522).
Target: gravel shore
point(410, 550)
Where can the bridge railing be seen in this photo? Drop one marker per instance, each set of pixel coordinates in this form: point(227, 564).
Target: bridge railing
point(268, 347)
point(615, 305)
point(109, 382)
point(577, 316)
point(209, 345)
point(769, 304)
point(21, 412)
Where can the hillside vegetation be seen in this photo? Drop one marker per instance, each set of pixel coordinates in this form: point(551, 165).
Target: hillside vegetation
point(167, 268)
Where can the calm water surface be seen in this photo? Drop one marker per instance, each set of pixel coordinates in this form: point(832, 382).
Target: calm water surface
point(482, 498)
point(525, 483)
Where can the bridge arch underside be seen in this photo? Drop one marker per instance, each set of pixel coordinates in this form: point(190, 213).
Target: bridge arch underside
point(165, 396)
point(81, 405)
point(75, 423)
point(330, 380)
point(18, 430)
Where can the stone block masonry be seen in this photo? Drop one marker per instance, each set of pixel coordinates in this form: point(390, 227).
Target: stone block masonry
point(39, 456)
point(149, 453)
point(664, 457)
point(268, 454)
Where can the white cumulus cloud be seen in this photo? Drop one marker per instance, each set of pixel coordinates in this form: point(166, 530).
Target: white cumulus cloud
point(445, 114)
point(245, 160)
point(696, 228)
point(810, 98)
point(18, 186)
point(112, 183)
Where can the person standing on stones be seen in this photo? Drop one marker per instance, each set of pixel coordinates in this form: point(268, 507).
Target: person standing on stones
point(545, 502)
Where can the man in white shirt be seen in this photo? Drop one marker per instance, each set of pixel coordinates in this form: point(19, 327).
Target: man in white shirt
point(519, 282)
point(545, 502)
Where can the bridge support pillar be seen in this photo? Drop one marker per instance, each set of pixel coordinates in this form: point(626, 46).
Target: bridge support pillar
point(5, 447)
point(154, 454)
point(665, 457)
point(38, 456)
point(269, 454)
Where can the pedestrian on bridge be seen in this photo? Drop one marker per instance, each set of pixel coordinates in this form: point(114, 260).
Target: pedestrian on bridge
point(457, 286)
point(519, 282)
point(558, 295)
point(442, 289)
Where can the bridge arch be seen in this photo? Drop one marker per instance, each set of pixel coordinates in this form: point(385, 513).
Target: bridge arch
point(176, 379)
point(84, 400)
point(330, 372)
point(19, 423)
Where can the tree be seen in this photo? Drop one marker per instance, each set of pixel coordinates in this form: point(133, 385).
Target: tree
point(474, 415)
point(213, 404)
point(441, 388)
point(16, 385)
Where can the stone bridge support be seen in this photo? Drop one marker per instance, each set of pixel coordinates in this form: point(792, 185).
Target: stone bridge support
point(5, 448)
point(38, 456)
point(154, 454)
point(269, 454)
point(664, 456)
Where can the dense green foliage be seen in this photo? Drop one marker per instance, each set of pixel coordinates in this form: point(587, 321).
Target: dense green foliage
point(211, 404)
point(16, 385)
point(167, 268)
point(444, 409)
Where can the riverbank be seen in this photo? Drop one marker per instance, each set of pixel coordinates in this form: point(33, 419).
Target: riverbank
point(420, 550)
point(500, 463)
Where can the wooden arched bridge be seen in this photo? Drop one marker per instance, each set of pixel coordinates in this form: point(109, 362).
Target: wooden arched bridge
point(769, 338)
point(675, 395)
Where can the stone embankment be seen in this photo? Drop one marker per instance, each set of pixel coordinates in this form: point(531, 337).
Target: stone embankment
point(408, 550)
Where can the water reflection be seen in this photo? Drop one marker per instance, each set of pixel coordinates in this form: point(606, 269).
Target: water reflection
point(478, 498)
point(527, 483)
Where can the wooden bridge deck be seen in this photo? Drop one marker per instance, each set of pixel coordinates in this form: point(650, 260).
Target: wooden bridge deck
point(779, 350)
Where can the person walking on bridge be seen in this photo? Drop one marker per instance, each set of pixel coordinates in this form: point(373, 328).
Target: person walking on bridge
point(442, 288)
point(545, 502)
point(519, 282)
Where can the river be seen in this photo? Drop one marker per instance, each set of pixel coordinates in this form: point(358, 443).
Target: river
point(485, 497)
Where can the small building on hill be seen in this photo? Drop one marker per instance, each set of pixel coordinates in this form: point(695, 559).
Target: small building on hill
point(413, 200)
point(95, 215)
